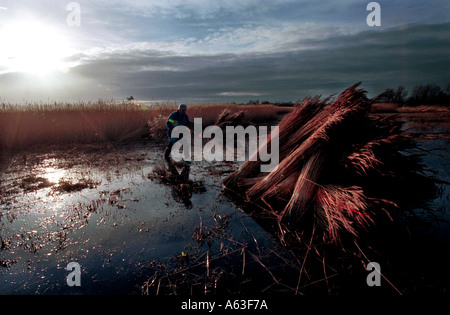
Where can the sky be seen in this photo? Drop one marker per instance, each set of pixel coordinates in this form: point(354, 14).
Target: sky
point(197, 51)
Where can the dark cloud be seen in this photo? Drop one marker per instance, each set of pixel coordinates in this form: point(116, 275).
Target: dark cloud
point(412, 55)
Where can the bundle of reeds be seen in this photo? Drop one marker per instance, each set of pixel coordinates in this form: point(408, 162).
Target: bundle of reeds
point(230, 118)
point(330, 152)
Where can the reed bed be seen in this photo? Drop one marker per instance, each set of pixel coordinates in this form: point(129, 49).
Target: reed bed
point(211, 112)
point(23, 126)
point(337, 164)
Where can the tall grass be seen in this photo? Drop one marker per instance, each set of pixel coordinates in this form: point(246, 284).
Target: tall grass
point(22, 126)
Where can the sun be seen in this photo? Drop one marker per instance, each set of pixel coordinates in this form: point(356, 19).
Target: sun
point(32, 47)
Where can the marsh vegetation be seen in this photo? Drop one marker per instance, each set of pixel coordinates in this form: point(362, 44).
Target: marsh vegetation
point(87, 183)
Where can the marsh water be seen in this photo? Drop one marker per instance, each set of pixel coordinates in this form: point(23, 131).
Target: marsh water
point(117, 228)
point(131, 232)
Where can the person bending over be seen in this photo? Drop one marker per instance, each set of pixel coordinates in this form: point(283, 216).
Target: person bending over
point(177, 118)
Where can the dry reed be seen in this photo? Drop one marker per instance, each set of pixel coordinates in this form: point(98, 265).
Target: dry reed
point(22, 126)
point(330, 151)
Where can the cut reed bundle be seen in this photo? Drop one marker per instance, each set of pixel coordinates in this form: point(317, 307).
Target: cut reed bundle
point(330, 150)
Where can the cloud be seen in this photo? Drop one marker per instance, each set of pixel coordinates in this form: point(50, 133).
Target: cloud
point(198, 9)
point(227, 40)
point(409, 56)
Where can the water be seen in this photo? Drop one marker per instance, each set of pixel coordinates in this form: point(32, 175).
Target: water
point(114, 230)
point(433, 144)
point(125, 229)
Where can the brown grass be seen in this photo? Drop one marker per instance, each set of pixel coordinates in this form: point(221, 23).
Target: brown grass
point(22, 126)
point(396, 108)
point(210, 114)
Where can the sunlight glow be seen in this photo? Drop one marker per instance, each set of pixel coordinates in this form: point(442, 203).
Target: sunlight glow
point(32, 47)
point(54, 175)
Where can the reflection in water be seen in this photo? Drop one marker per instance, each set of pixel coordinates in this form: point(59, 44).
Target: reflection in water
point(182, 186)
point(110, 227)
point(54, 175)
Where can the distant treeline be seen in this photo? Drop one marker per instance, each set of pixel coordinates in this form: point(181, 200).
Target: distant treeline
point(257, 102)
point(429, 94)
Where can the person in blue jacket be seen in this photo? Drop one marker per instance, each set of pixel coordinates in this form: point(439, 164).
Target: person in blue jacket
point(177, 118)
